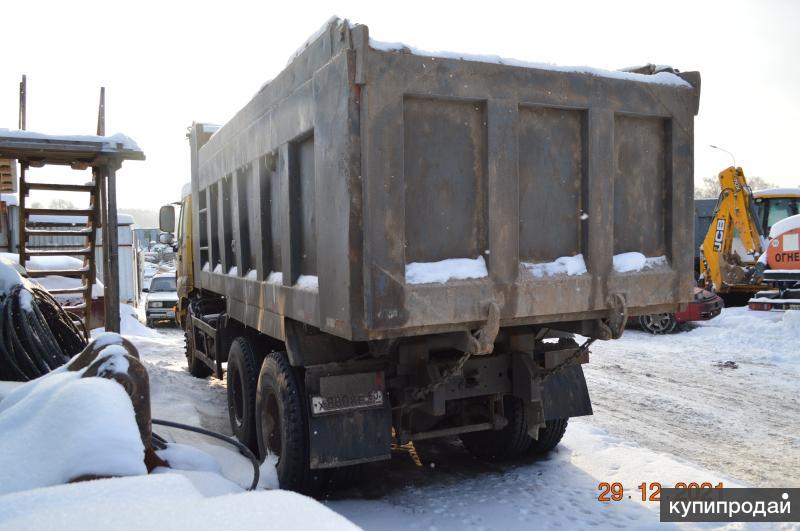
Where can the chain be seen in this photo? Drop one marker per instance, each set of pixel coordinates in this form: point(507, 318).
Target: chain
point(545, 373)
point(421, 392)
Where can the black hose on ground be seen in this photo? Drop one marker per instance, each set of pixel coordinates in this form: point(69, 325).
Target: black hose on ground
point(36, 335)
point(244, 450)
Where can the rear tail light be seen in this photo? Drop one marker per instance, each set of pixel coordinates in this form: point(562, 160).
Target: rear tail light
point(760, 306)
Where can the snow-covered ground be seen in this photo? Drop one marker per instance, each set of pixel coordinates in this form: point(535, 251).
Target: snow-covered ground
point(665, 411)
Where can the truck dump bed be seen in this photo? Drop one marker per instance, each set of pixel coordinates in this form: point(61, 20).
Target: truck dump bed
point(373, 192)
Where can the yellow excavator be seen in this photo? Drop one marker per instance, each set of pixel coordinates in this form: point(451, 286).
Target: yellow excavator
point(722, 270)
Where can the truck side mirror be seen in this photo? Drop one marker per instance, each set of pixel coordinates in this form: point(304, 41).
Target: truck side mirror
point(166, 218)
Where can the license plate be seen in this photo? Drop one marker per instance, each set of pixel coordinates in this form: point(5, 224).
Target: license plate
point(335, 404)
point(170, 313)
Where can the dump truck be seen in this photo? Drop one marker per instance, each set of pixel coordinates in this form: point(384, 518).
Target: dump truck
point(385, 246)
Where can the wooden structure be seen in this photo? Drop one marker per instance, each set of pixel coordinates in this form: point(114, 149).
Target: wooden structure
point(104, 155)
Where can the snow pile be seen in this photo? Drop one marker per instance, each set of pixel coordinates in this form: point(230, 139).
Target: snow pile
point(60, 427)
point(760, 337)
point(9, 275)
point(113, 142)
point(785, 225)
point(268, 477)
point(661, 78)
point(441, 272)
point(185, 457)
point(566, 265)
point(628, 262)
point(306, 282)
point(130, 325)
point(162, 501)
point(274, 277)
point(42, 263)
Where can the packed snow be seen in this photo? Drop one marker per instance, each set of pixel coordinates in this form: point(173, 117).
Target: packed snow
point(275, 277)
point(629, 262)
point(163, 501)
point(113, 142)
point(566, 265)
point(445, 270)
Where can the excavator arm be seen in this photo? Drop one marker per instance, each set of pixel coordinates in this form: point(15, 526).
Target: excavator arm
point(722, 268)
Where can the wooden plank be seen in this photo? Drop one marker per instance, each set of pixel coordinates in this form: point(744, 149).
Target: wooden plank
point(87, 232)
point(22, 214)
point(58, 252)
point(69, 273)
point(61, 187)
point(58, 211)
point(69, 291)
point(112, 282)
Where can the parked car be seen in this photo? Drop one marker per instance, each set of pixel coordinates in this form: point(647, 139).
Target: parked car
point(162, 297)
point(706, 305)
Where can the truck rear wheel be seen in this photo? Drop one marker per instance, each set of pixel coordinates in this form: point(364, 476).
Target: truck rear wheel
point(508, 443)
point(197, 368)
point(282, 424)
point(549, 437)
point(242, 377)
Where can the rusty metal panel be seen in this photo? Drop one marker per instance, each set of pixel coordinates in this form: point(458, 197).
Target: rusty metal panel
point(445, 179)
point(305, 175)
point(550, 182)
point(641, 184)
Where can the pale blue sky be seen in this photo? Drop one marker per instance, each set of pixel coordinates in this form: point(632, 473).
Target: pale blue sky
point(166, 64)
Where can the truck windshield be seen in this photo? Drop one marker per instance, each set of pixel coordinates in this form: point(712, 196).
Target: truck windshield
point(163, 284)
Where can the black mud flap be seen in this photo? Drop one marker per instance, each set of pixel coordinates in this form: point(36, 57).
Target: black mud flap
point(565, 394)
point(350, 420)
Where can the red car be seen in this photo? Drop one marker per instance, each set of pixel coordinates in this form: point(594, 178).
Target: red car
point(706, 305)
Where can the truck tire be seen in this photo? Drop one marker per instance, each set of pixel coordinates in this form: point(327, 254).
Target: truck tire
point(242, 378)
point(508, 443)
point(549, 437)
point(197, 368)
point(282, 424)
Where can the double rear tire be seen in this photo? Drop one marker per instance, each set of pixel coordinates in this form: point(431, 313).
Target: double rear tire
point(282, 424)
point(268, 413)
point(512, 441)
point(242, 378)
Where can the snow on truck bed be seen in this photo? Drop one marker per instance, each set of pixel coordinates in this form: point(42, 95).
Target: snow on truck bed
point(661, 78)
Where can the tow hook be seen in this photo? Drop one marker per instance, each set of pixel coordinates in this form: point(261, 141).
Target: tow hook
point(483, 341)
point(612, 326)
